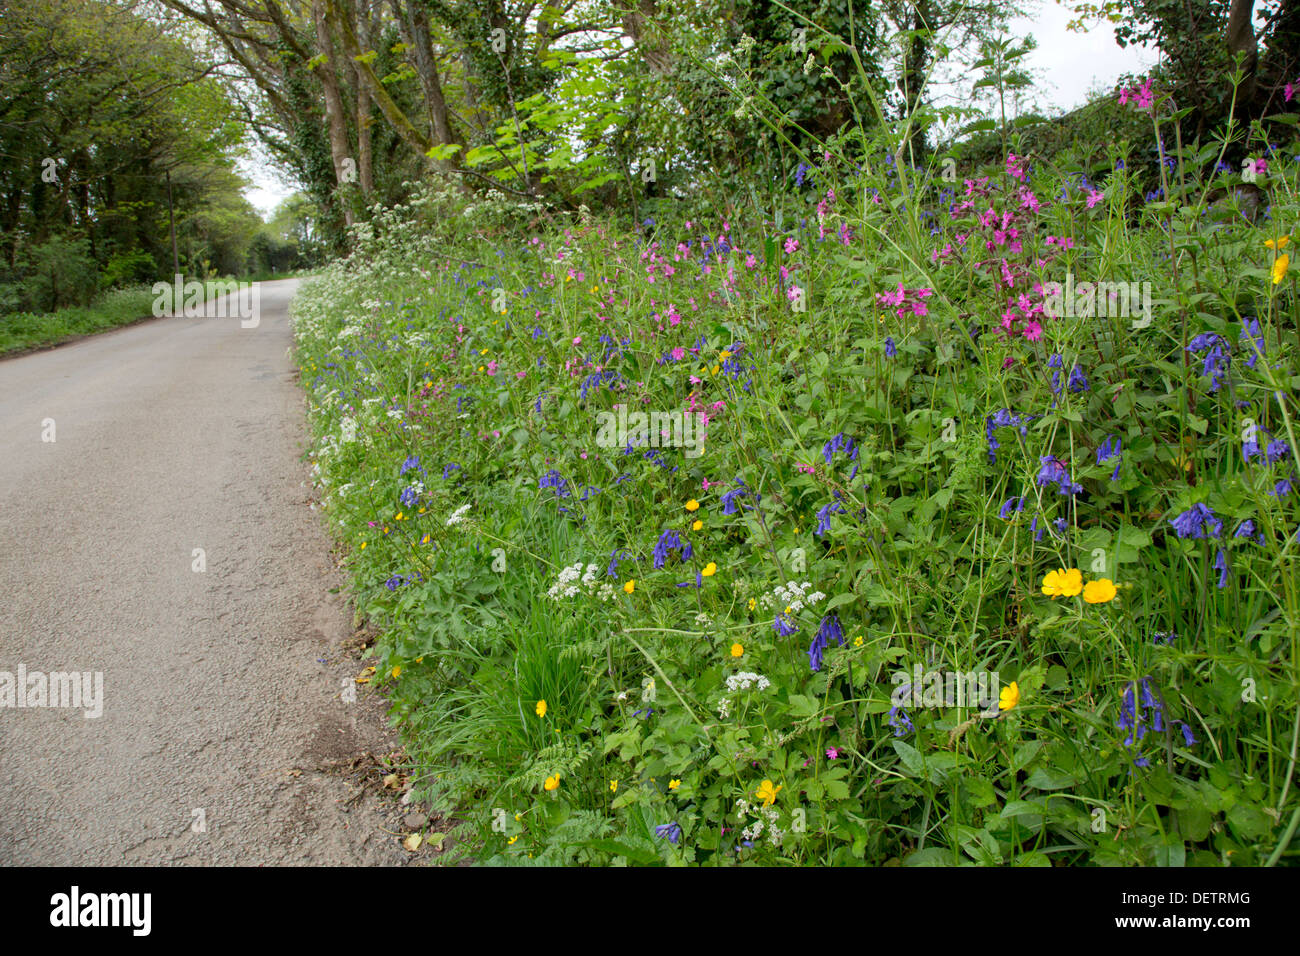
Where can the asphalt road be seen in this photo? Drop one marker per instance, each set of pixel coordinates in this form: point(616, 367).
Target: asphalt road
point(217, 712)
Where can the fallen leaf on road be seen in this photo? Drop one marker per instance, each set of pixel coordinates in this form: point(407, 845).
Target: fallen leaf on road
point(412, 843)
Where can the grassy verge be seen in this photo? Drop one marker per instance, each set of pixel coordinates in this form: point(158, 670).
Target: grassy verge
point(957, 575)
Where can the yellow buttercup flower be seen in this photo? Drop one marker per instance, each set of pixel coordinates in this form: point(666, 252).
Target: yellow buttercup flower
point(697, 526)
point(752, 604)
point(1277, 243)
point(1279, 267)
point(397, 671)
point(767, 792)
point(737, 649)
point(724, 354)
point(630, 586)
point(540, 709)
point(1099, 591)
point(710, 570)
point(1009, 696)
point(511, 841)
point(1063, 582)
point(674, 784)
point(613, 786)
point(692, 505)
point(552, 782)
point(857, 641)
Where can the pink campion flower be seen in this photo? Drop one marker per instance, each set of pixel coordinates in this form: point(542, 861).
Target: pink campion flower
point(1145, 98)
point(688, 224)
point(791, 245)
point(750, 261)
point(1029, 201)
point(1123, 96)
point(520, 374)
point(1032, 330)
point(807, 469)
point(1015, 166)
point(793, 292)
point(577, 340)
point(1094, 197)
point(492, 367)
point(846, 234)
point(1261, 166)
point(1008, 362)
point(832, 752)
point(1288, 90)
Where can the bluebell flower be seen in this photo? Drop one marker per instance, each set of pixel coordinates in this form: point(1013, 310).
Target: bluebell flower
point(890, 349)
point(783, 625)
point(1165, 637)
point(1197, 522)
point(829, 628)
point(411, 463)
point(408, 497)
point(1249, 449)
point(614, 556)
point(1188, 738)
point(1216, 356)
point(670, 541)
point(1054, 472)
point(1277, 450)
point(899, 720)
point(729, 498)
point(1250, 333)
point(1077, 381)
point(553, 480)
point(1221, 565)
point(669, 831)
point(1005, 511)
point(824, 517)
point(840, 443)
point(1282, 488)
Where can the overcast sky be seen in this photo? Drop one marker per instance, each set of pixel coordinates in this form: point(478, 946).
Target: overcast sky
point(1068, 65)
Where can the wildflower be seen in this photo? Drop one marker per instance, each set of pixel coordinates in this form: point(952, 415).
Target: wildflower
point(1062, 582)
point(1053, 471)
point(1277, 450)
point(670, 540)
point(783, 626)
point(1009, 696)
point(671, 832)
point(629, 587)
point(1109, 449)
point(1196, 522)
point(767, 792)
point(709, 570)
point(674, 784)
point(552, 782)
point(1221, 565)
point(832, 753)
point(613, 786)
point(540, 709)
point(824, 517)
point(1162, 637)
point(1005, 512)
point(890, 349)
point(692, 505)
point(899, 720)
point(1099, 591)
point(697, 525)
point(829, 628)
point(1216, 356)
point(1077, 381)
point(1277, 243)
point(737, 649)
point(1280, 267)
point(839, 443)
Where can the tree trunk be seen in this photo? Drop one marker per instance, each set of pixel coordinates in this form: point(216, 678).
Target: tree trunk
point(333, 100)
point(1241, 42)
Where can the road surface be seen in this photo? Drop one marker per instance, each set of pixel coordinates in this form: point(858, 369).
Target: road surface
point(222, 687)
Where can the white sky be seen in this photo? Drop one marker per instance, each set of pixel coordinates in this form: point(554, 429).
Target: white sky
point(1068, 66)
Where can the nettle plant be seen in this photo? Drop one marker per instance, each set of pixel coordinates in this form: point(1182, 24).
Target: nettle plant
point(1019, 422)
